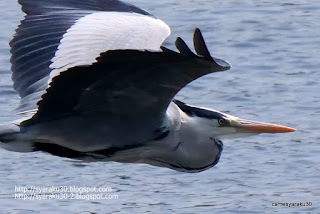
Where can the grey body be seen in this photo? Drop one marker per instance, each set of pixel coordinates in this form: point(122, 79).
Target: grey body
point(182, 147)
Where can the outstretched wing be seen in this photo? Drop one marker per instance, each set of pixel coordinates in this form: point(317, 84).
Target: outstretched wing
point(58, 35)
point(127, 84)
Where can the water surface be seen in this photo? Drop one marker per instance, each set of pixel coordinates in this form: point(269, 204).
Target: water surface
point(274, 50)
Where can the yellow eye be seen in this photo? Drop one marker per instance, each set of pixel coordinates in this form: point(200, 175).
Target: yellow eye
point(221, 121)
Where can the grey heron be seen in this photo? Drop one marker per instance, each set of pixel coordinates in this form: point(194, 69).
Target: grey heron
point(96, 85)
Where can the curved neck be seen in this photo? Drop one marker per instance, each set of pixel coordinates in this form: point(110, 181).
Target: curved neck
point(189, 145)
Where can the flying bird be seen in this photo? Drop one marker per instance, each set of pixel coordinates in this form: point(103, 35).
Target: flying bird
point(96, 85)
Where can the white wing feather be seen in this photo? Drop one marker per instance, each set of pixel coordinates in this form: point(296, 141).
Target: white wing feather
point(102, 31)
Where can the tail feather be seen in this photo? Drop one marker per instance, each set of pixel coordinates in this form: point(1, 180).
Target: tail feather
point(9, 140)
point(8, 129)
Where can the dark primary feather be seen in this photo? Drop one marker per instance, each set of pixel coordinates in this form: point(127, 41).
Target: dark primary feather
point(36, 7)
point(183, 48)
point(39, 34)
point(200, 45)
point(33, 47)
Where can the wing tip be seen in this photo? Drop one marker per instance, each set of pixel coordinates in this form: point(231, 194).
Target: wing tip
point(201, 50)
point(183, 48)
point(200, 45)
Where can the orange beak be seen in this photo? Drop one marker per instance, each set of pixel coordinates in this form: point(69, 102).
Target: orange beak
point(247, 126)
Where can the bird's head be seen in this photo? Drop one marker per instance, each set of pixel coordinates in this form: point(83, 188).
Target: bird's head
point(224, 126)
point(200, 131)
point(228, 126)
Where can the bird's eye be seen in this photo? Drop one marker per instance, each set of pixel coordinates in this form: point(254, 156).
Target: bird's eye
point(221, 121)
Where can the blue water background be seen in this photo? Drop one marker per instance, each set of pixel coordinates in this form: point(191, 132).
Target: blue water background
point(273, 47)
